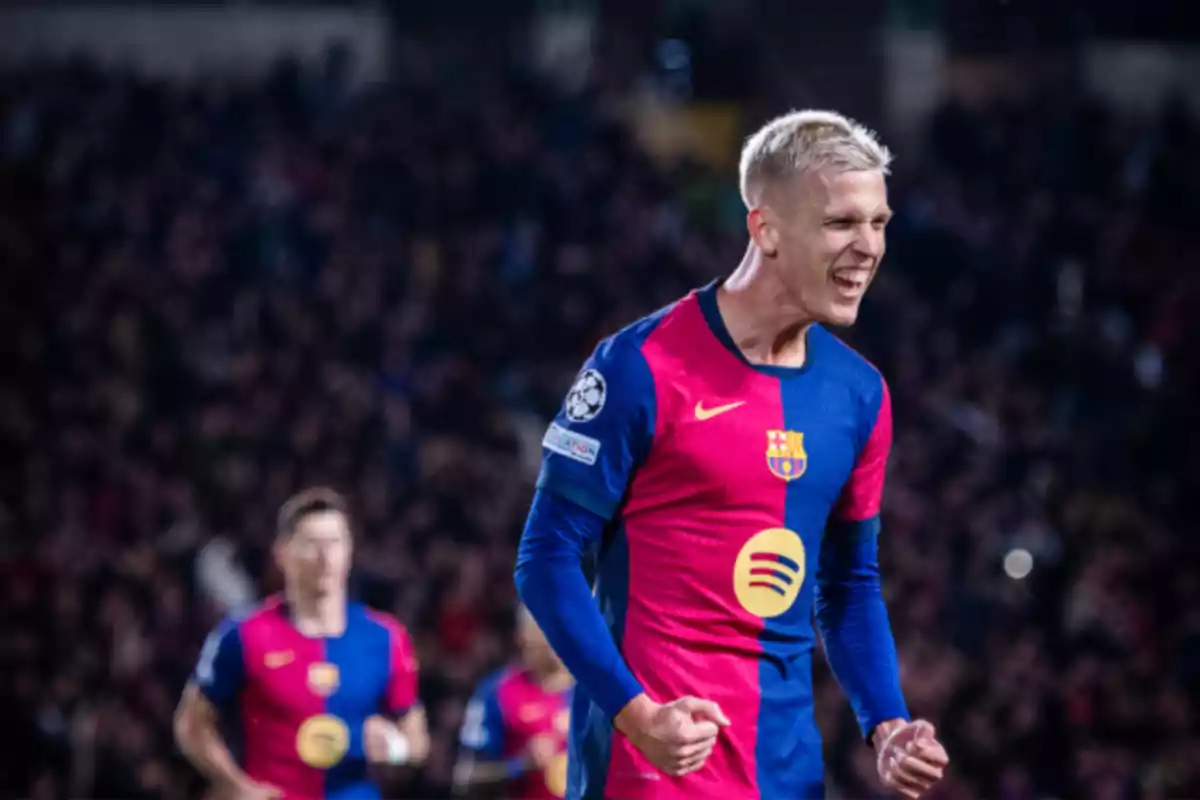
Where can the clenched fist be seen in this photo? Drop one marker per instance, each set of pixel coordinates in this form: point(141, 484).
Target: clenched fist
point(909, 758)
point(676, 737)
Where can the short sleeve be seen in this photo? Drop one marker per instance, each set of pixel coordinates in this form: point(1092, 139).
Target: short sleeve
point(483, 723)
point(220, 668)
point(401, 692)
point(862, 495)
point(603, 430)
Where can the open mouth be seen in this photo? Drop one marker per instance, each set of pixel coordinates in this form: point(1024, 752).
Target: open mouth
point(851, 281)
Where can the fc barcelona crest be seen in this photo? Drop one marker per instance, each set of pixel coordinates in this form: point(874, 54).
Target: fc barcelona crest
point(785, 454)
point(323, 679)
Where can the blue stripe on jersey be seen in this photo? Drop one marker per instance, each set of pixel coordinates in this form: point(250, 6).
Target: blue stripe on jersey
point(788, 753)
point(363, 657)
point(590, 739)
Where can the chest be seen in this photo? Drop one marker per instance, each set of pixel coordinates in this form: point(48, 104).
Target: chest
point(531, 713)
point(294, 676)
point(750, 443)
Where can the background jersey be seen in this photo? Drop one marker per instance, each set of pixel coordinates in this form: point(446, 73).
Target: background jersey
point(508, 711)
point(720, 478)
point(301, 701)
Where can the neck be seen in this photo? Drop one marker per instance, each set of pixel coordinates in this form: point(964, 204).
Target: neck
point(317, 615)
point(762, 318)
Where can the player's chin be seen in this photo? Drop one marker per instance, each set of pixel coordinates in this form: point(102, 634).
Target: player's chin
point(840, 312)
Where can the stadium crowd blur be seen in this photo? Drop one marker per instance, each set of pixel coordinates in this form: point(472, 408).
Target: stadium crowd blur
point(216, 296)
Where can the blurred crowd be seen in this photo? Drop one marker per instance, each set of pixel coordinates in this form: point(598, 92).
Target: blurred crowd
point(214, 295)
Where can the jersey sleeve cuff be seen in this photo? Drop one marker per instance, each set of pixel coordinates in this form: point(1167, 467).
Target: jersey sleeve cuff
point(592, 500)
point(855, 529)
point(895, 710)
point(624, 689)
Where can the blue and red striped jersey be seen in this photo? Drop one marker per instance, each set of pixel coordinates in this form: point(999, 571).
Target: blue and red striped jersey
point(301, 701)
point(508, 711)
point(730, 490)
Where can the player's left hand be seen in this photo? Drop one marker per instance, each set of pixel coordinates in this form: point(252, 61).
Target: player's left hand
point(375, 738)
point(910, 759)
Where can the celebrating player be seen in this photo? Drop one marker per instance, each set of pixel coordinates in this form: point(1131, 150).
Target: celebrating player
point(321, 687)
point(515, 728)
point(723, 459)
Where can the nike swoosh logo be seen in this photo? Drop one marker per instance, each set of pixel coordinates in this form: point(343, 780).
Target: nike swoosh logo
point(279, 659)
point(703, 413)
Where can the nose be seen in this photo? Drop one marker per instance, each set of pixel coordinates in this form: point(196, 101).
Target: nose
point(870, 241)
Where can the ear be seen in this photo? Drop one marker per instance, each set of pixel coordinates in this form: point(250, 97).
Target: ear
point(279, 553)
point(763, 231)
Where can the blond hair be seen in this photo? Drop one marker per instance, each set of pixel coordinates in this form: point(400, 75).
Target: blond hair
point(803, 140)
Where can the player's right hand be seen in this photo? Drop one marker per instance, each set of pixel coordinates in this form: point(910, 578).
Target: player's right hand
point(676, 737)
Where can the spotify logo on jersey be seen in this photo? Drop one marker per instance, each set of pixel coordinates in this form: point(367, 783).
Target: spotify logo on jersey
point(769, 572)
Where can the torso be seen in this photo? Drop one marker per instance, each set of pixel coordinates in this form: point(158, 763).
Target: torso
point(305, 701)
point(531, 711)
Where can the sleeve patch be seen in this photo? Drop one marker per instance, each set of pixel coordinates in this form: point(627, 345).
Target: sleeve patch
point(474, 732)
point(586, 398)
point(570, 444)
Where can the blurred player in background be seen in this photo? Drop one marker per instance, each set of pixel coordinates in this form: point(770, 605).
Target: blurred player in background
point(724, 458)
point(320, 686)
point(514, 732)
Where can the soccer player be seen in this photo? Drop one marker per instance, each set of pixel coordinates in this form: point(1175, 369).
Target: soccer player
point(320, 686)
point(514, 732)
point(722, 460)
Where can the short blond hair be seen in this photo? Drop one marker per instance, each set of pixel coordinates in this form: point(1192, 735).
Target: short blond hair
point(803, 140)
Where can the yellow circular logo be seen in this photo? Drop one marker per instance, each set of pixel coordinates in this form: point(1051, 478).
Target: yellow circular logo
point(769, 572)
point(556, 775)
point(322, 741)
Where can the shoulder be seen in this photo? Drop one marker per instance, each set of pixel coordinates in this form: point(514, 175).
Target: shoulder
point(623, 349)
point(848, 367)
point(380, 619)
point(491, 685)
point(616, 374)
point(252, 616)
point(392, 629)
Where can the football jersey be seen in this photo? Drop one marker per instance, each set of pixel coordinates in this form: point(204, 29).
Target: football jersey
point(508, 711)
point(301, 702)
point(720, 478)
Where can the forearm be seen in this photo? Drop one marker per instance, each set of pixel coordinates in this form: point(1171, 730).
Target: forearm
point(853, 621)
point(472, 775)
point(200, 743)
point(550, 580)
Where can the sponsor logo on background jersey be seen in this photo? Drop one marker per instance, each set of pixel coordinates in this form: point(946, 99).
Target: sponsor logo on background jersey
point(322, 741)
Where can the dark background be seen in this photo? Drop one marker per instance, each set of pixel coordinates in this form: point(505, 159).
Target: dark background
point(214, 292)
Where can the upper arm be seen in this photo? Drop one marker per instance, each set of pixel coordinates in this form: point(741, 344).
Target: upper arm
point(603, 430)
point(195, 712)
point(862, 495)
point(401, 691)
point(482, 729)
point(220, 669)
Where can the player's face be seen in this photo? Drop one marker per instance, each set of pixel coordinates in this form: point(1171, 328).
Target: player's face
point(317, 556)
point(830, 240)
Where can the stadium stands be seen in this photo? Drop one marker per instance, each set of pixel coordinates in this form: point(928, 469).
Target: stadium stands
point(214, 295)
